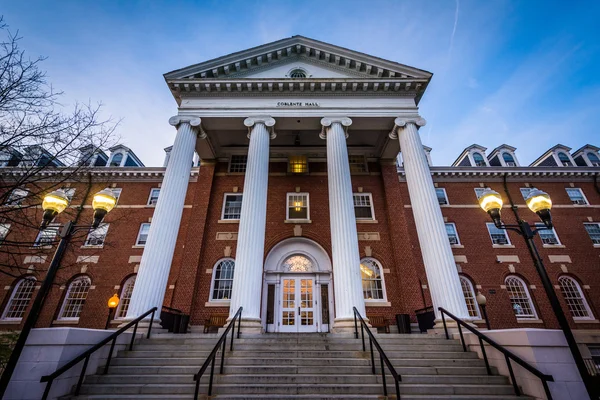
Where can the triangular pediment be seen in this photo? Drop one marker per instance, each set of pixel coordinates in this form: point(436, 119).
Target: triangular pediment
point(276, 59)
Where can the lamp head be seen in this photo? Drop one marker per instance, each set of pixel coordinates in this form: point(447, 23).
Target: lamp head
point(491, 202)
point(103, 202)
point(53, 204)
point(481, 300)
point(540, 203)
point(113, 302)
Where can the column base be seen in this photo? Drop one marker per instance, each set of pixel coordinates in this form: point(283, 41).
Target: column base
point(249, 325)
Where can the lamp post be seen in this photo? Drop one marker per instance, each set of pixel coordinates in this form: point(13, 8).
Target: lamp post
point(481, 300)
point(540, 203)
point(113, 302)
point(53, 204)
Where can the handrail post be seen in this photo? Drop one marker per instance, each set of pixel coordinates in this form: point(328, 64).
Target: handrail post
point(47, 390)
point(197, 387)
point(232, 334)
point(512, 375)
point(372, 356)
point(151, 322)
point(444, 321)
point(133, 336)
point(222, 355)
point(487, 363)
point(362, 335)
point(355, 326)
point(82, 375)
point(462, 338)
point(110, 353)
point(385, 393)
point(239, 323)
point(397, 389)
point(212, 373)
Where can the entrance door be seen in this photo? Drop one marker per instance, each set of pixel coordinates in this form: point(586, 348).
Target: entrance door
point(298, 304)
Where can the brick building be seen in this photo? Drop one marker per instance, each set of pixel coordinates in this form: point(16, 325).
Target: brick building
point(301, 209)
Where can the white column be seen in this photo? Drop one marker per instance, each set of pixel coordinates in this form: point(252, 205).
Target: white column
point(347, 280)
point(151, 281)
point(248, 276)
point(440, 267)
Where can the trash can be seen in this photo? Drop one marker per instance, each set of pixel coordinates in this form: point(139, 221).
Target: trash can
point(166, 320)
point(425, 318)
point(403, 322)
point(184, 320)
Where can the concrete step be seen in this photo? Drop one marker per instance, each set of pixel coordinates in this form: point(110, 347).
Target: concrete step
point(258, 346)
point(293, 397)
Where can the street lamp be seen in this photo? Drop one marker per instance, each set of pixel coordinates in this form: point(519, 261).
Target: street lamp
point(481, 300)
point(53, 204)
point(540, 203)
point(113, 302)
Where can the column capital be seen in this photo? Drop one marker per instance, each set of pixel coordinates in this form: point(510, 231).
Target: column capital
point(401, 122)
point(266, 120)
point(328, 121)
point(195, 123)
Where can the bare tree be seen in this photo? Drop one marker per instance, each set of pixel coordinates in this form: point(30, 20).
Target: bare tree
point(43, 145)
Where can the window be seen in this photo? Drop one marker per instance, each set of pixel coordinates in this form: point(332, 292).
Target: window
point(297, 73)
point(97, 236)
point(125, 297)
point(47, 236)
point(237, 163)
point(297, 206)
point(595, 353)
point(298, 164)
point(574, 298)
point(479, 160)
point(298, 263)
point(498, 236)
point(70, 192)
point(153, 199)
point(452, 234)
point(479, 191)
point(564, 160)
point(75, 298)
point(594, 159)
point(525, 192)
point(372, 279)
point(519, 298)
point(548, 236)
point(143, 234)
point(363, 206)
point(16, 197)
point(232, 206)
point(19, 299)
point(357, 163)
point(576, 196)
point(222, 280)
point(593, 230)
point(441, 196)
point(509, 160)
point(4, 228)
point(117, 193)
point(470, 299)
point(116, 160)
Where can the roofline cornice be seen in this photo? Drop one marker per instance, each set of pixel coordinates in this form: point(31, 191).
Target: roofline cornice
point(499, 172)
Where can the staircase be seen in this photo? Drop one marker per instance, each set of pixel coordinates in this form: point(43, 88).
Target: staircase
point(290, 366)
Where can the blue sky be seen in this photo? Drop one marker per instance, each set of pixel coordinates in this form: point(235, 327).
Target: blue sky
point(522, 72)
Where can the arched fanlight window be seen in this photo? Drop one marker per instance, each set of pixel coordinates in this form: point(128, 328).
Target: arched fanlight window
point(594, 159)
point(509, 159)
point(372, 280)
point(125, 298)
point(469, 293)
point(297, 73)
point(564, 159)
point(479, 160)
point(222, 281)
point(116, 160)
point(574, 298)
point(519, 297)
point(75, 298)
point(298, 263)
point(19, 299)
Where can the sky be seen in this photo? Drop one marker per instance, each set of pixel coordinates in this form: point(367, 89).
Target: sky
point(523, 73)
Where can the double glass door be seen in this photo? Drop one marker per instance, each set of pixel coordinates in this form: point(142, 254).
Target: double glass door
point(298, 312)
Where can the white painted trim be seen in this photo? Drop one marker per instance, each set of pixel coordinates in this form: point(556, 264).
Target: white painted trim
point(137, 240)
point(287, 207)
point(372, 206)
point(212, 281)
point(64, 302)
point(455, 232)
point(583, 298)
point(529, 299)
point(381, 274)
point(587, 202)
point(12, 295)
point(223, 206)
point(445, 196)
point(488, 224)
point(150, 197)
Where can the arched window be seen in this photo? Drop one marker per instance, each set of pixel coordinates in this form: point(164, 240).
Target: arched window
point(372, 279)
point(125, 298)
point(509, 159)
point(564, 159)
point(298, 263)
point(222, 280)
point(75, 298)
point(594, 159)
point(519, 297)
point(19, 299)
point(116, 160)
point(469, 293)
point(479, 160)
point(574, 298)
point(297, 73)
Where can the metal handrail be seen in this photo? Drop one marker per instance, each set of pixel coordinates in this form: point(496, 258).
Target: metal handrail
point(382, 357)
point(86, 354)
point(213, 354)
point(508, 355)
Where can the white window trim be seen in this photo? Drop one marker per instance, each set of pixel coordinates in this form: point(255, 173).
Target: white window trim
point(150, 197)
point(9, 200)
point(583, 298)
point(119, 190)
point(12, 296)
point(445, 196)
point(528, 190)
point(118, 310)
point(381, 273)
point(4, 227)
point(212, 281)
point(39, 235)
point(531, 304)
point(137, 240)
point(487, 225)
point(223, 206)
point(64, 302)
point(287, 208)
point(587, 203)
point(540, 225)
point(229, 164)
point(364, 163)
point(90, 233)
point(455, 232)
point(586, 231)
point(476, 189)
point(472, 289)
point(372, 206)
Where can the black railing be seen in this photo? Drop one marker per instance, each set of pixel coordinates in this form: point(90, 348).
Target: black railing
point(86, 354)
point(382, 357)
point(213, 354)
point(508, 355)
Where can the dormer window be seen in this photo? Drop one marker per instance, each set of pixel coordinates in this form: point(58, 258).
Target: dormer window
point(565, 160)
point(116, 160)
point(297, 74)
point(479, 160)
point(594, 159)
point(509, 160)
